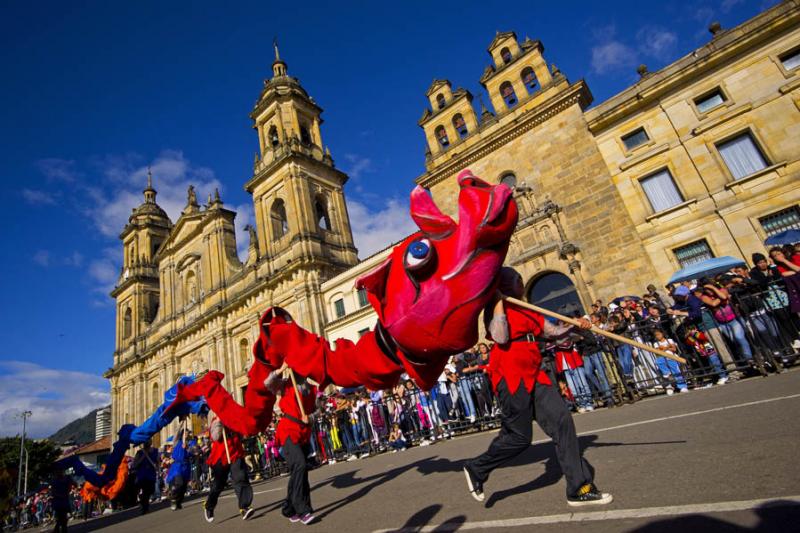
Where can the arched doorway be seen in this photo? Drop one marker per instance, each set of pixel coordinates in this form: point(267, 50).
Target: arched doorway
point(556, 292)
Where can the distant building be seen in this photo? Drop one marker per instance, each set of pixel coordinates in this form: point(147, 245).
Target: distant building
point(93, 454)
point(699, 159)
point(102, 426)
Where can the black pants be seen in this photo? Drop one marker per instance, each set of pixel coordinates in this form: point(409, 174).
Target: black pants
point(298, 493)
point(241, 483)
point(62, 517)
point(550, 411)
point(178, 490)
point(146, 489)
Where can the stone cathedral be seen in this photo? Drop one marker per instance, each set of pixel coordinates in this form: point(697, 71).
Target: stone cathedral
point(696, 160)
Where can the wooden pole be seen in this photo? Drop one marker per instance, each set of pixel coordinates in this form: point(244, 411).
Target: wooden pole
point(594, 329)
point(225, 442)
point(297, 394)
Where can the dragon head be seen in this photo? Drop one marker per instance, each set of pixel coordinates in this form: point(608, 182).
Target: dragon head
point(431, 290)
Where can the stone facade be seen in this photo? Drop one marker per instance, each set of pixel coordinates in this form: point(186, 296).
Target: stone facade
point(583, 180)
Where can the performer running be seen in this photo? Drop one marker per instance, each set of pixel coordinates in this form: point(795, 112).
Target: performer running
point(293, 434)
point(144, 464)
point(180, 471)
point(515, 371)
point(227, 457)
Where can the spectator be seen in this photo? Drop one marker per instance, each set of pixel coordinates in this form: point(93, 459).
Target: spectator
point(591, 348)
point(669, 368)
point(397, 440)
point(463, 368)
point(570, 363)
point(718, 300)
point(701, 345)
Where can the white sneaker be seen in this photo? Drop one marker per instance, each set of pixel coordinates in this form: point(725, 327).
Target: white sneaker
point(424, 442)
point(670, 391)
point(581, 410)
point(472, 419)
point(722, 381)
point(364, 455)
point(352, 458)
point(685, 389)
point(589, 409)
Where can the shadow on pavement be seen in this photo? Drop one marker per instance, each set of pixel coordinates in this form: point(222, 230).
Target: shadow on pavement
point(776, 515)
point(424, 516)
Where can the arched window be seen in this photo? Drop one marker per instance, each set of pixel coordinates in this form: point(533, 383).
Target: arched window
point(274, 141)
point(440, 101)
point(460, 125)
point(509, 179)
point(244, 354)
point(508, 94)
point(323, 220)
point(155, 397)
point(127, 323)
point(505, 55)
point(280, 224)
point(556, 292)
point(529, 78)
point(305, 136)
point(441, 136)
point(191, 287)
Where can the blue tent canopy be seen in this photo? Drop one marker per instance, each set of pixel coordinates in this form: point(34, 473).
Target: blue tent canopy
point(789, 236)
point(709, 267)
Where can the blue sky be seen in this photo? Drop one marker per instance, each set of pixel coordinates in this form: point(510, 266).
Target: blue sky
point(94, 92)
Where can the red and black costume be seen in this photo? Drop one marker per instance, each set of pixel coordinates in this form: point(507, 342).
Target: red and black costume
point(524, 392)
point(293, 436)
point(221, 467)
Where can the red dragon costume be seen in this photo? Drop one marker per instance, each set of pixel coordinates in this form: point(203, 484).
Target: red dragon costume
point(428, 296)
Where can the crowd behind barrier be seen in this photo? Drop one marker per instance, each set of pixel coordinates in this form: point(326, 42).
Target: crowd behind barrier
point(739, 324)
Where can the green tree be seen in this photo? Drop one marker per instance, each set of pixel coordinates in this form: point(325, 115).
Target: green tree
point(41, 455)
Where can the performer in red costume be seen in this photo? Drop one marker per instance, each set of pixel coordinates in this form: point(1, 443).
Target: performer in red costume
point(525, 392)
point(428, 296)
point(293, 434)
point(227, 457)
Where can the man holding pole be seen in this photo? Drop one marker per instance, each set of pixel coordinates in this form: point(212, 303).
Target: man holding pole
point(525, 392)
point(293, 435)
point(227, 457)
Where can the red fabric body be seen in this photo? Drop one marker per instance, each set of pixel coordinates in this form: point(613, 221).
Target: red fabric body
point(573, 358)
point(519, 360)
point(235, 449)
point(299, 433)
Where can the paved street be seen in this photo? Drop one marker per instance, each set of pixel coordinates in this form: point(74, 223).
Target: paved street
point(720, 459)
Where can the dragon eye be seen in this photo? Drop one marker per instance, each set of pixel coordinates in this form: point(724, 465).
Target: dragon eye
point(418, 254)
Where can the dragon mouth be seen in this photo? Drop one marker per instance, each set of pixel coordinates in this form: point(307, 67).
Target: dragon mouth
point(499, 201)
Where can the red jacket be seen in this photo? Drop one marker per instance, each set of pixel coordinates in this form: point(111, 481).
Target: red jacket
point(289, 426)
point(570, 355)
point(235, 448)
point(518, 359)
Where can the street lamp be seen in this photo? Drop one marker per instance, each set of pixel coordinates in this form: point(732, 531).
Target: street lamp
point(24, 415)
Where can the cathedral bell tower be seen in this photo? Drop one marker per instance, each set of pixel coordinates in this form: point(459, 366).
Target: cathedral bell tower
point(137, 290)
point(301, 217)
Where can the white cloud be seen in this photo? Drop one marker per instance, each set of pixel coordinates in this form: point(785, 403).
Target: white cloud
point(104, 272)
point(375, 229)
point(357, 165)
point(244, 216)
point(42, 258)
point(54, 397)
point(728, 5)
point(172, 174)
point(612, 55)
point(75, 259)
point(657, 42)
point(36, 197)
point(56, 169)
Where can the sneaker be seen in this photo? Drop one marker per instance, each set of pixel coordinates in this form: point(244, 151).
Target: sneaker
point(796, 344)
point(472, 419)
point(394, 450)
point(581, 410)
point(352, 458)
point(474, 486)
point(208, 513)
point(589, 495)
point(722, 381)
point(670, 391)
point(589, 409)
point(424, 442)
point(684, 389)
point(247, 513)
point(174, 506)
point(294, 518)
point(307, 518)
point(364, 455)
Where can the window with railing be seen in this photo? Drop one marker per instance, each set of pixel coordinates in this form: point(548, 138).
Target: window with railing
point(781, 221)
point(692, 253)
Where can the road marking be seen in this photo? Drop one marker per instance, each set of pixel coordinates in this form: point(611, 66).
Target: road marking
point(619, 514)
point(682, 415)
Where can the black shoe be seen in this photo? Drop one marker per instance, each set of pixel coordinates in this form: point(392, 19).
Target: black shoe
point(474, 485)
point(589, 495)
point(208, 513)
point(247, 513)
